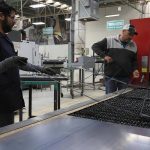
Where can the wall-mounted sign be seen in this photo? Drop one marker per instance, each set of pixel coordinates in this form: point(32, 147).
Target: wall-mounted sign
point(47, 31)
point(115, 24)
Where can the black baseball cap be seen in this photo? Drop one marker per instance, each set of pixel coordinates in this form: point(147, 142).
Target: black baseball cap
point(130, 28)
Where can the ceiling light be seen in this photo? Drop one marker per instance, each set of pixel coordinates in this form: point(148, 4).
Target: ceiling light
point(38, 5)
point(17, 16)
point(56, 4)
point(37, 0)
point(68, 19)
point(38, 23)
point(119, 8)
point(49, 1)
point(70, 8)
point(115, 15)
point(63, 6)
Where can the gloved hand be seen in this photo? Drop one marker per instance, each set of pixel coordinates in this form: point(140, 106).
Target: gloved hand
point(11, 62)
point(48, 71)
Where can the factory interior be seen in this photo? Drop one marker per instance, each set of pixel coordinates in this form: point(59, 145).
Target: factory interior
point(68, 107)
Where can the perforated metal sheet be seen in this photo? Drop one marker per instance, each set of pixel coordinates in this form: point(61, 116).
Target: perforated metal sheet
point(123, 109)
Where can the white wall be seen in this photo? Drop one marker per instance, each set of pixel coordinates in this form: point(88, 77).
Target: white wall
point(96, 30)
point(147, 10)
point(54, 51)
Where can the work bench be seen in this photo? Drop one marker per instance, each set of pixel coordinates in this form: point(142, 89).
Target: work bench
point(30, 81)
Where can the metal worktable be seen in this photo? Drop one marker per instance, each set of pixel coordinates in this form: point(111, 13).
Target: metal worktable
point(64, 132)
point(31, 81)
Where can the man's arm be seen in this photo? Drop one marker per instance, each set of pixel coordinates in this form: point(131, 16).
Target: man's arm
point(12, 62)
point(40, 69)
point(100, 48)
point(135, 64)
point(135, 67)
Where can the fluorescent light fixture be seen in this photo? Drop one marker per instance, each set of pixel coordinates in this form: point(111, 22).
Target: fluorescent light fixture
point(17, 16)
point(38, 23)
point(37, 0)
point(119, 8)
point(115, 15)
point(68, 19)
point(70, 8)
point(56, 4)
point(49, 1)
point(38, 5)
point(63, 6)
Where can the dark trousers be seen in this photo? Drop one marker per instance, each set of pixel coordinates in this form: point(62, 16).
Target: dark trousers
point(112, 85)
point(6, 119)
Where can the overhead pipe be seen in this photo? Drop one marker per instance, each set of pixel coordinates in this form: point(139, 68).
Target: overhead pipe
point(128, 3)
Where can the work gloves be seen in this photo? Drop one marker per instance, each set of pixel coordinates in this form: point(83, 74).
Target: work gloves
point(21, 62)
point(17, 60)
point(48, 71)
point(39, 69)
point(11, 62)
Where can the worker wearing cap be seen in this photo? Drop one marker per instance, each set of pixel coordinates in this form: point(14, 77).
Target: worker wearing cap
point(120, 55)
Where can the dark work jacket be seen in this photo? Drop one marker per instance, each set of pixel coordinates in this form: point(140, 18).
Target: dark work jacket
point(124, 58)
point(11, 98)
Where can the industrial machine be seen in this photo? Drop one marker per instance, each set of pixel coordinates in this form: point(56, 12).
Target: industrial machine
point(56, 65)
point(143, 43)
point(29, 50)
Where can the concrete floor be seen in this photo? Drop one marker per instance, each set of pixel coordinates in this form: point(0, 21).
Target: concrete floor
point(43, 101)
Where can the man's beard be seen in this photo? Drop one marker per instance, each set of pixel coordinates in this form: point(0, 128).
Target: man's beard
point(6, 28)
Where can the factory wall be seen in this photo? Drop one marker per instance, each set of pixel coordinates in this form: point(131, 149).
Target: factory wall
point(147, 10)
point(96, 30)
point(54, 51)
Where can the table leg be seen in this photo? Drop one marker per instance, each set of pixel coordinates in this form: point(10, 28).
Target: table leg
point(30, 102)
point(82, 82)
point(58, 95)
point(55, 96)
point(20, 115)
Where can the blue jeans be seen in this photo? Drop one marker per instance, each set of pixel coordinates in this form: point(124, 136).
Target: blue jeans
point(112, 85)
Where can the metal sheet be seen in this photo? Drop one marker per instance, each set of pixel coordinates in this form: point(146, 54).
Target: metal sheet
point(72, 133)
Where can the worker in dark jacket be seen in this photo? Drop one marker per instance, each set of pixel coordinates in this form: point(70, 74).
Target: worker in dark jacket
point(11, 98)
point(120, 56)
